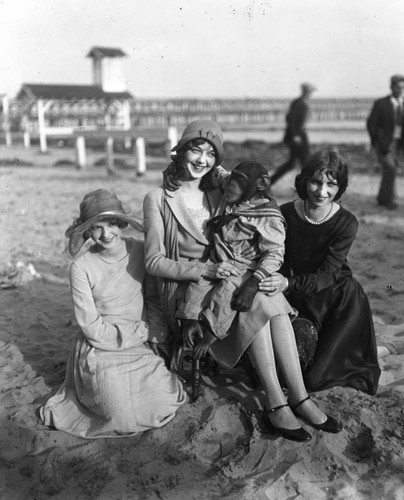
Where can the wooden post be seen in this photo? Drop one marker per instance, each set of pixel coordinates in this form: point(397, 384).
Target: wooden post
point(80, 152)
point(27, 139)
point(172, 136)
point(109, 149)
point(25, 134)
point(126, 114)
point(6, 120)
point(41, 126)
point(140, 148)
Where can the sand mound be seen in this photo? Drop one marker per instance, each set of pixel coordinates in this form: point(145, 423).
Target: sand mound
point(217, 447)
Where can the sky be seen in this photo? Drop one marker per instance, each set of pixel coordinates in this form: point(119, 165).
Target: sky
point(208, 48)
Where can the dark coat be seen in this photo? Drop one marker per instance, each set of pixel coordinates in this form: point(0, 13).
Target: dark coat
point(381, 123)
point(296, 119)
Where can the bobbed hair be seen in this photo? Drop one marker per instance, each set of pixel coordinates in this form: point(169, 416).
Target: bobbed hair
point(178, 170)
point(326, 161)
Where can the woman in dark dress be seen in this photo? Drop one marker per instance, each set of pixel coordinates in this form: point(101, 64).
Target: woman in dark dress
point(318, 280)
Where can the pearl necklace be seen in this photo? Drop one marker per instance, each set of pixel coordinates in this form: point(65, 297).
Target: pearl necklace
point(321, 221)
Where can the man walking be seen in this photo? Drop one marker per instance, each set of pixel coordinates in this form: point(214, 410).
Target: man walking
point(386, 126)
point(295, 135)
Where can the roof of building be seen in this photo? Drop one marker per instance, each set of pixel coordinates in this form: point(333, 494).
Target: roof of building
point(40, 91)
point(99, 52)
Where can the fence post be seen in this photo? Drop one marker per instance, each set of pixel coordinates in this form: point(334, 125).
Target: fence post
point(172, 136)
point(140, 154)
point(6, 120)
point(109, 149)
point(80, 152)
point(27, 140)
point(41, 126)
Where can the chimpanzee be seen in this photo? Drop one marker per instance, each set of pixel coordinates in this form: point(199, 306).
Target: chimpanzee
point(250, 233)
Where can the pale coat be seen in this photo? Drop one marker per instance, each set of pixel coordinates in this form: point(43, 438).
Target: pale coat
point(193, 250)
point(193, 246)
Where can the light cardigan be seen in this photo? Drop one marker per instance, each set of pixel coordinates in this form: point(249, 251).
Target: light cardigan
point(193, 246)
point(175, 247)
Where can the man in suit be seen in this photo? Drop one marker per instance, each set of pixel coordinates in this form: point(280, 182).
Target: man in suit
point(295, 135)
point(385, 125)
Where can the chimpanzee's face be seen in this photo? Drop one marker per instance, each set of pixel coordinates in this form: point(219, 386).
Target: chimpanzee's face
point(241, 187)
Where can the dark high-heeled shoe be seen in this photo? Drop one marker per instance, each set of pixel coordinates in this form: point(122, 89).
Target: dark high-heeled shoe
point(298, 434)
point(330, 425)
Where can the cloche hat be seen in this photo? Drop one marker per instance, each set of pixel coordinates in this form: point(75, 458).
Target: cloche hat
point(203, 129)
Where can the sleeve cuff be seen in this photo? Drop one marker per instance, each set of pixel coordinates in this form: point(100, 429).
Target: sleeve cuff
point(260, 274)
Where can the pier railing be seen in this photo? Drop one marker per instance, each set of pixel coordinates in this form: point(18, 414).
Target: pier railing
point(162, 112)
point(177, 112)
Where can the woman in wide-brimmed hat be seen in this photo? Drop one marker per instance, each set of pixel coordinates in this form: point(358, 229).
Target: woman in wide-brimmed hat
point(115, 384)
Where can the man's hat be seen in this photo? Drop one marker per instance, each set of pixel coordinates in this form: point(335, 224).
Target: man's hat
point(396, 79)
point(308, 87)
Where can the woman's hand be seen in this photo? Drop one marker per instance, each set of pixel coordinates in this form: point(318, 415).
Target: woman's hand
point(271, 285)
point(202, 346)
point(220, 271)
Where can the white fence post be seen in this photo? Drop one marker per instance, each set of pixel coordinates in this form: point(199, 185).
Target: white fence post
point(27, 140)
point(6, 120)
point(41, 126)
point(140, 147)
point(80, 152)
point(172, 136)
point(110, 155)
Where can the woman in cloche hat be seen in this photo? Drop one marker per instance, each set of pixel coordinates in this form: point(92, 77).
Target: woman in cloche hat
point(177, 249)
point(115, 384)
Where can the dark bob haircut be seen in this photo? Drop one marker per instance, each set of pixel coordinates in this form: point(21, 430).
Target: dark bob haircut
point(325, 161)
point(178, 170)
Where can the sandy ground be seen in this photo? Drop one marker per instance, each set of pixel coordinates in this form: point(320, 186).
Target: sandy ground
point(216, 447)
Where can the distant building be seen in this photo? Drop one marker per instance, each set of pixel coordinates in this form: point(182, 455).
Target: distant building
point(62, 107)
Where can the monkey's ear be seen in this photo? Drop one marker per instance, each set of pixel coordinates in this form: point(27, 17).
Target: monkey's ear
point(263, 183)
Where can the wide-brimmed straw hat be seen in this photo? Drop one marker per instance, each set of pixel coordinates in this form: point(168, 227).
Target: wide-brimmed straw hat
point(207, 130)
point(96, 206)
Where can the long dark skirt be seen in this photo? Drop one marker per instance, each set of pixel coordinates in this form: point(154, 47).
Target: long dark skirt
point(346, 353)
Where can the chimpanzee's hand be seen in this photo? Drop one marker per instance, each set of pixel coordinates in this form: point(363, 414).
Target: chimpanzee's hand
point(170, 181)
point(191, 328)
point(243, 297)
point(202, 346)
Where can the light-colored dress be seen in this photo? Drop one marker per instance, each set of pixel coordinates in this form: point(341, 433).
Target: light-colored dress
point(115, 385)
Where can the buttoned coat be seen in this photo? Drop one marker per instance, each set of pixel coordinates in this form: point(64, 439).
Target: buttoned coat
point(381, 123)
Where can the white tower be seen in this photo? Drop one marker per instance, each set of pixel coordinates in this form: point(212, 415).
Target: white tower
point(108, 71)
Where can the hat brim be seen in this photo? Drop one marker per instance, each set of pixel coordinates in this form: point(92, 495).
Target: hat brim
point(76, 239)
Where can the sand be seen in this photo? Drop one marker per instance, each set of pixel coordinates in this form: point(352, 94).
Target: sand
point(216, 447)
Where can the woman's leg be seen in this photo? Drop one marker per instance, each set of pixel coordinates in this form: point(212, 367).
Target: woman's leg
point(277, 338)
point(262, 356)
point(284, 342)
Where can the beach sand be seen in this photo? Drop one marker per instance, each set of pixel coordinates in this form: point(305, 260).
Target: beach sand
point(218, 446)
